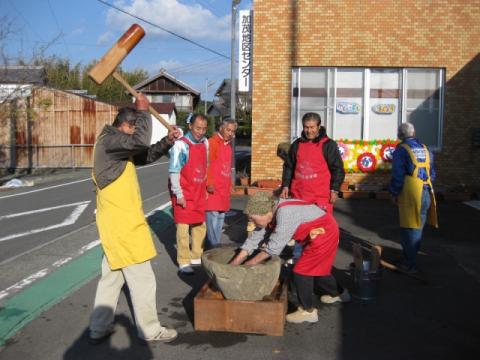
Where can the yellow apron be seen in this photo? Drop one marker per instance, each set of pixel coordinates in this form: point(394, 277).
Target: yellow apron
point(124, 232)
point(410, 199)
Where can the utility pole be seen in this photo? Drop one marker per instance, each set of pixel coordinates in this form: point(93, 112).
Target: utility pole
point(207, 86)
point(232, 64)
point(232, 81)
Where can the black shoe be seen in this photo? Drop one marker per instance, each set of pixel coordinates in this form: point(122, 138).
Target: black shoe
point(408, 269)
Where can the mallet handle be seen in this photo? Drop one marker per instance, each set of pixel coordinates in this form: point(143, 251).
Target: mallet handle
point(132, 91)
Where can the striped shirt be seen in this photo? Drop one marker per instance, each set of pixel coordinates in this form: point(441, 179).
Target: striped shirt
point(288, 219)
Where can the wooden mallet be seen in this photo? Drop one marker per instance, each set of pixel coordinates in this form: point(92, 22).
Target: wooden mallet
point(108, 64)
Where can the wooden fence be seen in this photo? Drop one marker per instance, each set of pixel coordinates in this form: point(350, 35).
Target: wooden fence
point(51, 128)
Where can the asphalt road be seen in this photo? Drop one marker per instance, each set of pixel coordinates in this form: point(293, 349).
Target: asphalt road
point(44, 224)
point(409, 319)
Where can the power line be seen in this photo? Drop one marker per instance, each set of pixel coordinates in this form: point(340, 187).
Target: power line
point(164, 29)
point(181, 67)
point(70, 43)
point(198, 68)
point(62, 35)
point(210, 7)
point(25, 19)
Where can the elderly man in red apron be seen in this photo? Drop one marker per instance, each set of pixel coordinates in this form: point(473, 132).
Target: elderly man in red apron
point(313, 170)
point(282, 220)
point(188, 180)
point(219, 179)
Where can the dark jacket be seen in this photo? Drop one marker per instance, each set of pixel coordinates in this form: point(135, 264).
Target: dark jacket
point(330, 153)
point(114, 147)
point(402, 165)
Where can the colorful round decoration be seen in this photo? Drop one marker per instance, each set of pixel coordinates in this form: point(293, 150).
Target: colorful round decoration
point(366, 162)
point(386, 152)
point(343, 149)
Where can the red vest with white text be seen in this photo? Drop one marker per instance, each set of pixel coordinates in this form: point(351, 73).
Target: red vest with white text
point(222, 181)
point(311, 180)
point(193, 181)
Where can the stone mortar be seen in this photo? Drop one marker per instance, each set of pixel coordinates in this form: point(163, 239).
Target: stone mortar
point(240, 282)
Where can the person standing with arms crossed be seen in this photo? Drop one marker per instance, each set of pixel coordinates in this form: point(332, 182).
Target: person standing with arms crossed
point(313, 170)
point(219, 179)
point(188, 180)
point(124, 233)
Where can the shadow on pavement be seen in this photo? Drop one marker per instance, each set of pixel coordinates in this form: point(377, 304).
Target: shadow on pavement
point(81, 349)
point(162, 225)
point(409, 319)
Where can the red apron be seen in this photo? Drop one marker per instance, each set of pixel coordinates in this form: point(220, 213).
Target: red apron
point(311, 180)
point(193, 181)
point(319, 238)
point(221, 170)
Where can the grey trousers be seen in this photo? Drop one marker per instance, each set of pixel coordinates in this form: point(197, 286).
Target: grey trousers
point(142, 285)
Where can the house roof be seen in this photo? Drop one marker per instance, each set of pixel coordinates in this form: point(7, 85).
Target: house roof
point(161, 108)
point(23, 75)
point(223, 88)
point(164, 73)
point(218, 107)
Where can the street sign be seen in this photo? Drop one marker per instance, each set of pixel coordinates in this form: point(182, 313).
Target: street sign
point(244, 50)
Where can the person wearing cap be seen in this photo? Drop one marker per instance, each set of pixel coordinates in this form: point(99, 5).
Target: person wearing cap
point(124, 233)
point(219, 179)
point(279, 220)
point(187, 183)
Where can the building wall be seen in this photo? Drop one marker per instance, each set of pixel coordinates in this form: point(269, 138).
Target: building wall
point(384, 33)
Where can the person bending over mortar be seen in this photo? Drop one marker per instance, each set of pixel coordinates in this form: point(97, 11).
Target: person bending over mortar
point(278, 221)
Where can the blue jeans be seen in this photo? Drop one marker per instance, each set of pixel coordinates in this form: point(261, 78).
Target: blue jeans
point(411, 238)
point(215, 221)
point(297, 251)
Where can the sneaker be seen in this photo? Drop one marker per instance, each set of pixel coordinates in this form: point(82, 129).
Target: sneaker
point(96, 338)
point(186, 269)
point(196, 262)
point(344, 297)
point(165, 335)
point(302, 315)
point(407, 269)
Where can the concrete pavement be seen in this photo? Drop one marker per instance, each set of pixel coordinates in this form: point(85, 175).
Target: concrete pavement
point(409, 320)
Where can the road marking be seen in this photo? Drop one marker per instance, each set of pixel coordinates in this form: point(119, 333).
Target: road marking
point(70, 220)
point(38, 275)
point(69, 183)
point(15, 288)
point(69, 276)
point(473, 203)
point(22, 283)
point(161, 207)
point(67, 234)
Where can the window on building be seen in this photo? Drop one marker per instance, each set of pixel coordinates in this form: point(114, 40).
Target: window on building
point(370, 103)
point(183, 100)
point(423, 103)
point(163, 98)
point(349, 94)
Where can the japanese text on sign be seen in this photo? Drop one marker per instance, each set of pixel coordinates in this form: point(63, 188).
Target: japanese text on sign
point(244, 50)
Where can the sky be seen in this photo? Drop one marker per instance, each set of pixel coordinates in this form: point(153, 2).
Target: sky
point(84, 30)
